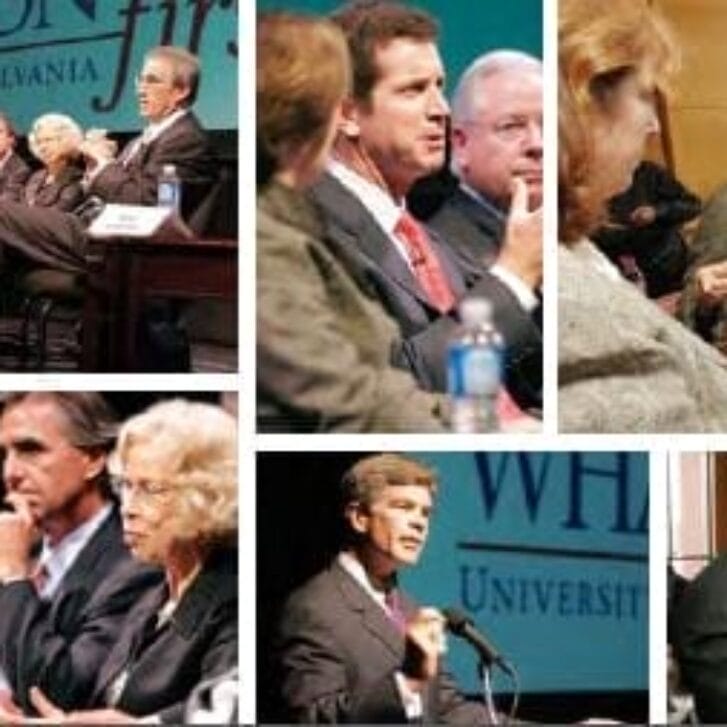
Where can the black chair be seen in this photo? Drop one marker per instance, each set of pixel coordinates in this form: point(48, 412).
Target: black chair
point(51, 296)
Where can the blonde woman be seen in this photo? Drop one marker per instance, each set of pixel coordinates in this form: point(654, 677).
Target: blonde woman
point(624, 365)
point(54, 139)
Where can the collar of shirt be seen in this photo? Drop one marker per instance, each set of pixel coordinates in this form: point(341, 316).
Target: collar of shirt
point(4, 158)
point(355, 569)
point(481, 199)
point(376, 200)
point(59, 558)
point(153, 130)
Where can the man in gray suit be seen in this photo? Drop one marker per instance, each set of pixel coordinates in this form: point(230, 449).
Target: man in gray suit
point(393, 133)
point(352, 647)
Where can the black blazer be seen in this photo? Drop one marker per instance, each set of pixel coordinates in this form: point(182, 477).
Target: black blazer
point(471, 230)
point(164, 665)
point(13, 176)
point(59, 645)
point(337, 653)
point(370, 256)
point(64, 193)
point(699, 630)
point(184, 144)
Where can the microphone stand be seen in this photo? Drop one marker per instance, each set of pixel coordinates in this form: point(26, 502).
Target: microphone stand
point(484, 670)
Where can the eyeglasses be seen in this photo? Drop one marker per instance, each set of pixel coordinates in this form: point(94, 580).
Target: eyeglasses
point(145, 489)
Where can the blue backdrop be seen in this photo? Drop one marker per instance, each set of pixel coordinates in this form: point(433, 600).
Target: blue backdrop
point(549, 554)
point(80, 57)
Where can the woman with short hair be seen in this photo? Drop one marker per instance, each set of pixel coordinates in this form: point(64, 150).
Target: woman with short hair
point(54, 139)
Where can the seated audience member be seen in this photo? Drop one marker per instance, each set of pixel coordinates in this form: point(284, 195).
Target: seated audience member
point(177, 472)
point(644, 229)
point(699, 638)
point(392, 134)
point(54, 140)
point(497, 137)
point(62, 609)
point(624, 365)
point(352, 647)
point(703, 304)
point(323, 343)
point(14, 172)
point(166, 90)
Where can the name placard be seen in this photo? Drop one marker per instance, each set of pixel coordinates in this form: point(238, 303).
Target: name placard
point(139, 222)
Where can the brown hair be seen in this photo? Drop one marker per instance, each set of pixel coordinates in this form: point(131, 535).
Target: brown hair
point(370, 24)
point(303, 72)
point(371, 475)
point(598, 46)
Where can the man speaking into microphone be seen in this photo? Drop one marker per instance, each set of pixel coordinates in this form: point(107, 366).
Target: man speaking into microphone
point(351, 646)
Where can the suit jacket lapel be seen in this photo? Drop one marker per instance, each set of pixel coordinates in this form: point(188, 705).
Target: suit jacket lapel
point(108, 536)
point(344, 213)
point(373, 618)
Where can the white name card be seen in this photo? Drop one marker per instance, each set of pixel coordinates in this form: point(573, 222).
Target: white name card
point(137, 221)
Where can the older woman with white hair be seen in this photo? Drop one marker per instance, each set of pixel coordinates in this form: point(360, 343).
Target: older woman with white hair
point(54, 139)
point(176, 469)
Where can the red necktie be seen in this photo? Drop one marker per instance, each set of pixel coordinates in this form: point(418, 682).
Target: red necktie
point(424, 262)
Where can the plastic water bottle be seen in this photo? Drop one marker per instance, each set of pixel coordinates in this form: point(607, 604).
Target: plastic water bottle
point(169, 190)
point(474, 369)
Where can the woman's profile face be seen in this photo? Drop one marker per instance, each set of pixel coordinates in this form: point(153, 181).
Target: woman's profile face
point(52, 143)
point(621, 129)
point(147, 508)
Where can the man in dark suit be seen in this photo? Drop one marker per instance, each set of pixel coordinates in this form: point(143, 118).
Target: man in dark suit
point(61, 610)
point(497, 119)
point(699, 636)
point(166, 90)
point(352, 647)
point(393, 133)
point(14, 172)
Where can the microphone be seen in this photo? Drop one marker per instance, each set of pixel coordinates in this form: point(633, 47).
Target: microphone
point(460, 624)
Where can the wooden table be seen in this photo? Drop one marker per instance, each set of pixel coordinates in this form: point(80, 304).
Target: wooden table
point(123, 273)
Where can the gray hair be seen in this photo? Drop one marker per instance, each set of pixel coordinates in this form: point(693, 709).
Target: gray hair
point(486, 65)
point(58, 122)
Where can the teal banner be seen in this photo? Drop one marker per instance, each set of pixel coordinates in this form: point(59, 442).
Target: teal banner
point(80, 57)
point(468, 28)
point(548, 553)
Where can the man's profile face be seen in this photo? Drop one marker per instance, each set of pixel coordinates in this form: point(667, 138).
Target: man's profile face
point(502, 138)
point(40, 463)
point(396, 524)
point(402, 125)
point(7, 140)
point(156, 93)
